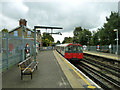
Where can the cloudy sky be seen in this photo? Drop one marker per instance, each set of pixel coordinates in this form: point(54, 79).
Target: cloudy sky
point(89, 14)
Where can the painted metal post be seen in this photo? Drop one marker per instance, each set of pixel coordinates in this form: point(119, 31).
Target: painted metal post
point(116, 30)
point(23, 42)
point(7, 50)
point(34, 44)
point(88, 44)
point(117, 41)
point(88, 41)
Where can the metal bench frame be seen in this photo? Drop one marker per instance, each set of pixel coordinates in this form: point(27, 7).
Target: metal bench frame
point(26, 65)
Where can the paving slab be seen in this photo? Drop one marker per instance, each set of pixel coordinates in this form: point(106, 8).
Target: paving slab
point(48, 75)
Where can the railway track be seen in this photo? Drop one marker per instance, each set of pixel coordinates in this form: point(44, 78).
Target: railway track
point(111, 66)
point(109, 69)
point(107, 76)
point(104, 60)
point(93, 69)
point(101, 79)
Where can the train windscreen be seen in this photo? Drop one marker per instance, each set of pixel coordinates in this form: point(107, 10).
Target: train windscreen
point(79, 49)
point(68, 49)
point(73, 49)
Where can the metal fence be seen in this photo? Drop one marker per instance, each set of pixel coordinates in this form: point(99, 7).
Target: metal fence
point(0, 52)
point(11, 50)
point(112, 50)
point(47, 48)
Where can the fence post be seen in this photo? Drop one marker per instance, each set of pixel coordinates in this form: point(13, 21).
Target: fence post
point(7, 50)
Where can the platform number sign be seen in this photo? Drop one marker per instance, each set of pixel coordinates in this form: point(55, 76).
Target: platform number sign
point(98, 47)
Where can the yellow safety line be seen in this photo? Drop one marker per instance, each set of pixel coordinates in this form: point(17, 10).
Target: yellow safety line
point(90, 86)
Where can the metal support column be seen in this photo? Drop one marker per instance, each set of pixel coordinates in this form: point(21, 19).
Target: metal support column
point(34, 44)
point(117, 41)
point(7, 50)
point(23, 42)
point(51, 31)
point(88, 41)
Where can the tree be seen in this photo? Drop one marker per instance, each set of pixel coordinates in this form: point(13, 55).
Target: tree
point(47, 39)
point(76, 33)
point(67, 40)
point(46, 42)
point(82, 36)
point(106, 33)
point(5, 30)
point(95, 40)
point(85, 37)
point(48, 36)
point(58, 42)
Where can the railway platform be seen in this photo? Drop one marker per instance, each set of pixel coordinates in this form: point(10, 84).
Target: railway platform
point(53, 72)
point(105, 55)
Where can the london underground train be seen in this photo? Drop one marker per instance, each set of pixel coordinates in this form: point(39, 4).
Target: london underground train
point(70, 51)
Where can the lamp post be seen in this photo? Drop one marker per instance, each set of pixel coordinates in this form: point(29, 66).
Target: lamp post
point(88, 42)
point(116, 30)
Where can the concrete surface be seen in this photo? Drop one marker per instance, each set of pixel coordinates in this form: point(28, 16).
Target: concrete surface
point(48, 75)
point(106, 55)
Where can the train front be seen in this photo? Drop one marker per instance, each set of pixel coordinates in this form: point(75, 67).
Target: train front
point(74, 52)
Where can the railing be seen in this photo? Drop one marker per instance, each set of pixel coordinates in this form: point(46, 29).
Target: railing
point(47, 48)
point(11, 50)
point(104, 48)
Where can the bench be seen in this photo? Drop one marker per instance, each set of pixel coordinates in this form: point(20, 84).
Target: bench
point(27, 67)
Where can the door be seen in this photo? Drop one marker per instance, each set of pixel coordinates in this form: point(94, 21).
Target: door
point(68, 52)
point(80, 52)
point(74, 52)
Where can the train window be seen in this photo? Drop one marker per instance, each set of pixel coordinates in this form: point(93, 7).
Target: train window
point(79, 48)
point(68, 49)
point(74, 49)
point(62, 48)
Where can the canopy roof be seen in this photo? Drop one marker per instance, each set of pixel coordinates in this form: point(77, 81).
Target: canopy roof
point(67, 44)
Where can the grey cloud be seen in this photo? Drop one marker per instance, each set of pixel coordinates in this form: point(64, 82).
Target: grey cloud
point(14, 10)
point(68, 15)
point(86, 15)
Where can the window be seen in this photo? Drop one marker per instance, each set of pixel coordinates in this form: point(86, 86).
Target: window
point(15, 33)
point(79, 48)
point(68, 49)
point(75, 49)
point(28, 33)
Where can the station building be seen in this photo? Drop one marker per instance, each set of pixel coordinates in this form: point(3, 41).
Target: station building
point(28, 34)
